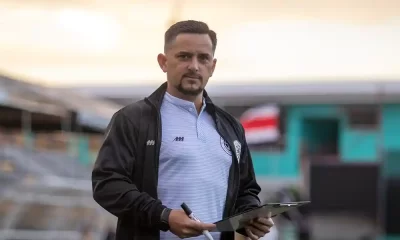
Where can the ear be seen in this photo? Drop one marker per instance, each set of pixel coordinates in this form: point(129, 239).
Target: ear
point(214, 63)
point(162, 61)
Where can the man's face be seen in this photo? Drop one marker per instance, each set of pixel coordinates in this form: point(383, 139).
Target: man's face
point(189, 63)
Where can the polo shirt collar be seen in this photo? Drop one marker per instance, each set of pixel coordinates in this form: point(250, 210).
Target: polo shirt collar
point(188, 105)
point(156, 98)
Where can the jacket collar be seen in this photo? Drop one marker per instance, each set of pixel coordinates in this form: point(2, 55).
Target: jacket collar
point(157, 96)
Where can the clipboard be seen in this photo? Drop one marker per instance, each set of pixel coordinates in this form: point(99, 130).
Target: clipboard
point(239, 220)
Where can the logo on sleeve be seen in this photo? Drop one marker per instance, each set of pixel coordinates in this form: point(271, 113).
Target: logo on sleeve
point(225, 146)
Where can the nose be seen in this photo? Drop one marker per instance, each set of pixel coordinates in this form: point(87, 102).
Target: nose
point(194, 65)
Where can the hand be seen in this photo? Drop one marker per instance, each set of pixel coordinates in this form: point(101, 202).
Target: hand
point(184, 227)
point(258, 227)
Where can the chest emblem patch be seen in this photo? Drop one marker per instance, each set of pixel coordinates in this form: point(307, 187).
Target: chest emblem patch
point(238, 149)
point(225, 146)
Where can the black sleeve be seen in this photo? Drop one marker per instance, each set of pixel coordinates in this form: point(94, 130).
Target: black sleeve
point(249, 189)
point(112, 184)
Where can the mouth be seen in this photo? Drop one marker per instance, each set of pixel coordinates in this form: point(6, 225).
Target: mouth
point(192, 78)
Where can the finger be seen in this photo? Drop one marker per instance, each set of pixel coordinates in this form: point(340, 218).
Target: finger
point(269, 215)
point(250, 234)
point(190, 232)
point(208, 226)
point(203, 226)
point(258, 233)
point(198, 226)
point(263, 228)
point(265, 221)
point(191, 229)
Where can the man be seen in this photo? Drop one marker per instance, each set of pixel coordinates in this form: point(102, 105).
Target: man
point(176, 146)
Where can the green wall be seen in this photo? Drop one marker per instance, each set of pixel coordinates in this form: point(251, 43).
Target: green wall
point(355, 145)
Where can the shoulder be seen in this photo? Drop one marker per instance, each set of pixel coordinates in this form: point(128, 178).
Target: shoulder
point(231, 120)
point(135, 108)
point(133, 112)
point(228, 117)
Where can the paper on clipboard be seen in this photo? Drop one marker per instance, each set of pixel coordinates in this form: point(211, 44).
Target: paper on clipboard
point(238, 221)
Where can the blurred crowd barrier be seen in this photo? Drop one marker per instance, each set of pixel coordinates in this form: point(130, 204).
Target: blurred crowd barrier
point(45, 189)
point(81, 145)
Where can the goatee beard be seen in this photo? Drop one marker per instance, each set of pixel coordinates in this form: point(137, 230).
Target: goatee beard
point(191, 92)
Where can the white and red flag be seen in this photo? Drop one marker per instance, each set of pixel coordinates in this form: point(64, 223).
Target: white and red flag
point(261, 124)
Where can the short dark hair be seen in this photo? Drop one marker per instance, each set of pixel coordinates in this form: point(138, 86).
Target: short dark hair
point(189, 26)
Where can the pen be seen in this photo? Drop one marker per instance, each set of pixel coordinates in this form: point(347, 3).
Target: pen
point(193, 217)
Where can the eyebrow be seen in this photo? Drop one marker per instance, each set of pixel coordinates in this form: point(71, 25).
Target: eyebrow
point(189, 53)
point(183, 52)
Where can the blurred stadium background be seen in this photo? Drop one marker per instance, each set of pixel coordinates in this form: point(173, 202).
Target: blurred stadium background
point(325, 74)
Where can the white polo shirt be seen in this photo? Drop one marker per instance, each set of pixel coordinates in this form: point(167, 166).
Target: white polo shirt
point(194, 162)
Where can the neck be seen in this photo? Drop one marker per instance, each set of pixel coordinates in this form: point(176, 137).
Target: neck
point(197, 100)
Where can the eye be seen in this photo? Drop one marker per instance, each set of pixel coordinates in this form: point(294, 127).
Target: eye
point(184, 56)
point(204, 58)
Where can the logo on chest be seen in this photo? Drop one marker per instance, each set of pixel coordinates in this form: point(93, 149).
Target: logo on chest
point(238, 149)
point(225, 146)
point(179, 139)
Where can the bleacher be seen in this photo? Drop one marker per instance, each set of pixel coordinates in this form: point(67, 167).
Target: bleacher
point(39, 163)
point(48, 141)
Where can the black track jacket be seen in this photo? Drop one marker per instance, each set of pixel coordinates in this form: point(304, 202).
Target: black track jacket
point(125, 175)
